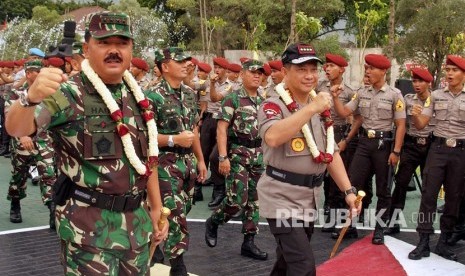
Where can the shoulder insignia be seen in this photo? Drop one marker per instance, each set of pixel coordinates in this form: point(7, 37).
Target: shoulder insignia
point(271, 110)
point(399, 105)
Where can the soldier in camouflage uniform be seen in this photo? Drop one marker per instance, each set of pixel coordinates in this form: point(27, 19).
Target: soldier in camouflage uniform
point(238, 140)
point(102, 219)
point(24, 150)
point(176, 116)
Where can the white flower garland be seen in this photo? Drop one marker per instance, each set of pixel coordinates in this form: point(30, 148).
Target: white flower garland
point(317, 155)
point(139, 166)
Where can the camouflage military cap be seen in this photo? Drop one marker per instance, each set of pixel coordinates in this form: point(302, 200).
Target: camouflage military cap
point(174, 53)
point(105, 24)
point(253, 65)
point(35, 64)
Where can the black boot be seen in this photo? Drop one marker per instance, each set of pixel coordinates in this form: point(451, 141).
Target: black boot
point(198, 196)
point(4, 150)
point(351, 233)
point(392, 230)
point(211, 232)
point(216, 201)
point(51, 207)
point(249, 249)
point(15, 211)
point(178, 268)
point(443, 249)
point(422, 249)
point(458, 234)
point(378, 235)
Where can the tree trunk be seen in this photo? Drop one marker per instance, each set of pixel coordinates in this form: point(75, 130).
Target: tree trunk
point(293, 35)
point(202, 26)
point(391, 34)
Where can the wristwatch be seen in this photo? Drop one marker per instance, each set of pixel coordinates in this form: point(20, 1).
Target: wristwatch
point(24, 100)
point(352, 190)
point(396, 153)
point(222, 158)
point(170, 141)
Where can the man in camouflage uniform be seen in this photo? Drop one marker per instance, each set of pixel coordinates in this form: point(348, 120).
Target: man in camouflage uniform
point(176, 117)
point(103, 219)
point(238, 140)
point(23, 149)
point(416, 146)
point(6, 84)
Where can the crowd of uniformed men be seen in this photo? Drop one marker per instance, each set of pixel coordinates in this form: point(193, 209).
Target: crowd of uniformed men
point(229, 118)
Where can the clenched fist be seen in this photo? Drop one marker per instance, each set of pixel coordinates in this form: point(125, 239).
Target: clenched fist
point(321, 102)
point(416, 109)
point(47, 83)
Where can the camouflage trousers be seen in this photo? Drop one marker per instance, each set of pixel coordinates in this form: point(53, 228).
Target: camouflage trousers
point(176, 175)
point(21, 160)
point(241, 191)
point(86, 260)
point(46, 166)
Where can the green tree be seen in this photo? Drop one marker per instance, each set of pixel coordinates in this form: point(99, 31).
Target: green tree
point(44, 16)
point(149, 30)
point(10, 9)
point(432, 29)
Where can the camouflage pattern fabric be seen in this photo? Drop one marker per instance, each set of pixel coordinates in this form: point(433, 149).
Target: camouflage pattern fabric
point(89, 151)
point(247, 165)
point(86, 260)
point(175, 111)
point(46, 165)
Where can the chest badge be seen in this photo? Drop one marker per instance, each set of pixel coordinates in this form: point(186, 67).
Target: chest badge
point(298, 144)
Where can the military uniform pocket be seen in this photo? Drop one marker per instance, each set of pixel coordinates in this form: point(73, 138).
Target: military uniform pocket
point(384, 111)
point(440, 111)
point(100, 139)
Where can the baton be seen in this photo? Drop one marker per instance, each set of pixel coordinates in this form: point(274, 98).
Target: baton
point(360, 196)
point(165, 212)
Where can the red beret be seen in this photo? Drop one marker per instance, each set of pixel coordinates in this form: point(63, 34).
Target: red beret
point(9, 64)
point(55, 62)
point(267, 69)
point(205, 67)
point(195, 61)
point(234, 67)
point(222, 62)
point(457, 61)
point(1, 64)
point(140, 63)
point(336, 59)
point(19, 62)
point(422, 74)
point(276, 64)
point(378, 61)
point(243, 59)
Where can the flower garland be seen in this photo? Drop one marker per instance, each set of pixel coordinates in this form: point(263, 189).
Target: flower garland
point(318, 156)
point(121, 127)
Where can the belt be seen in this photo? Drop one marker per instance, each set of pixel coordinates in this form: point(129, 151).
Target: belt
point(450, 142)
point(375, 134)
point(115, 203)
point(246, 142)
point(422, 141)
point(178, 150)
point(306, 180)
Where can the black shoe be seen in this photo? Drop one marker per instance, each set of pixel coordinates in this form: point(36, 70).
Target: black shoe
point(51, 207)
point(378, 236)
point(211, 232)
point(351, 233)
point(216, 201)
point(198, 195)
point(178, 268)
point(7, 154)
point(392, 230)
point(443, 249)
point(15, 211)
point(456, 236)
point(440, 209)
point(249, 249)
point(422, 249)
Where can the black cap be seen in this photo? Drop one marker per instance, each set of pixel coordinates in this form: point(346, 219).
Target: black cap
point(299, 53)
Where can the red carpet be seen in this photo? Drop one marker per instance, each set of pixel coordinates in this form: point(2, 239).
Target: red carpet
point(362, 258)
